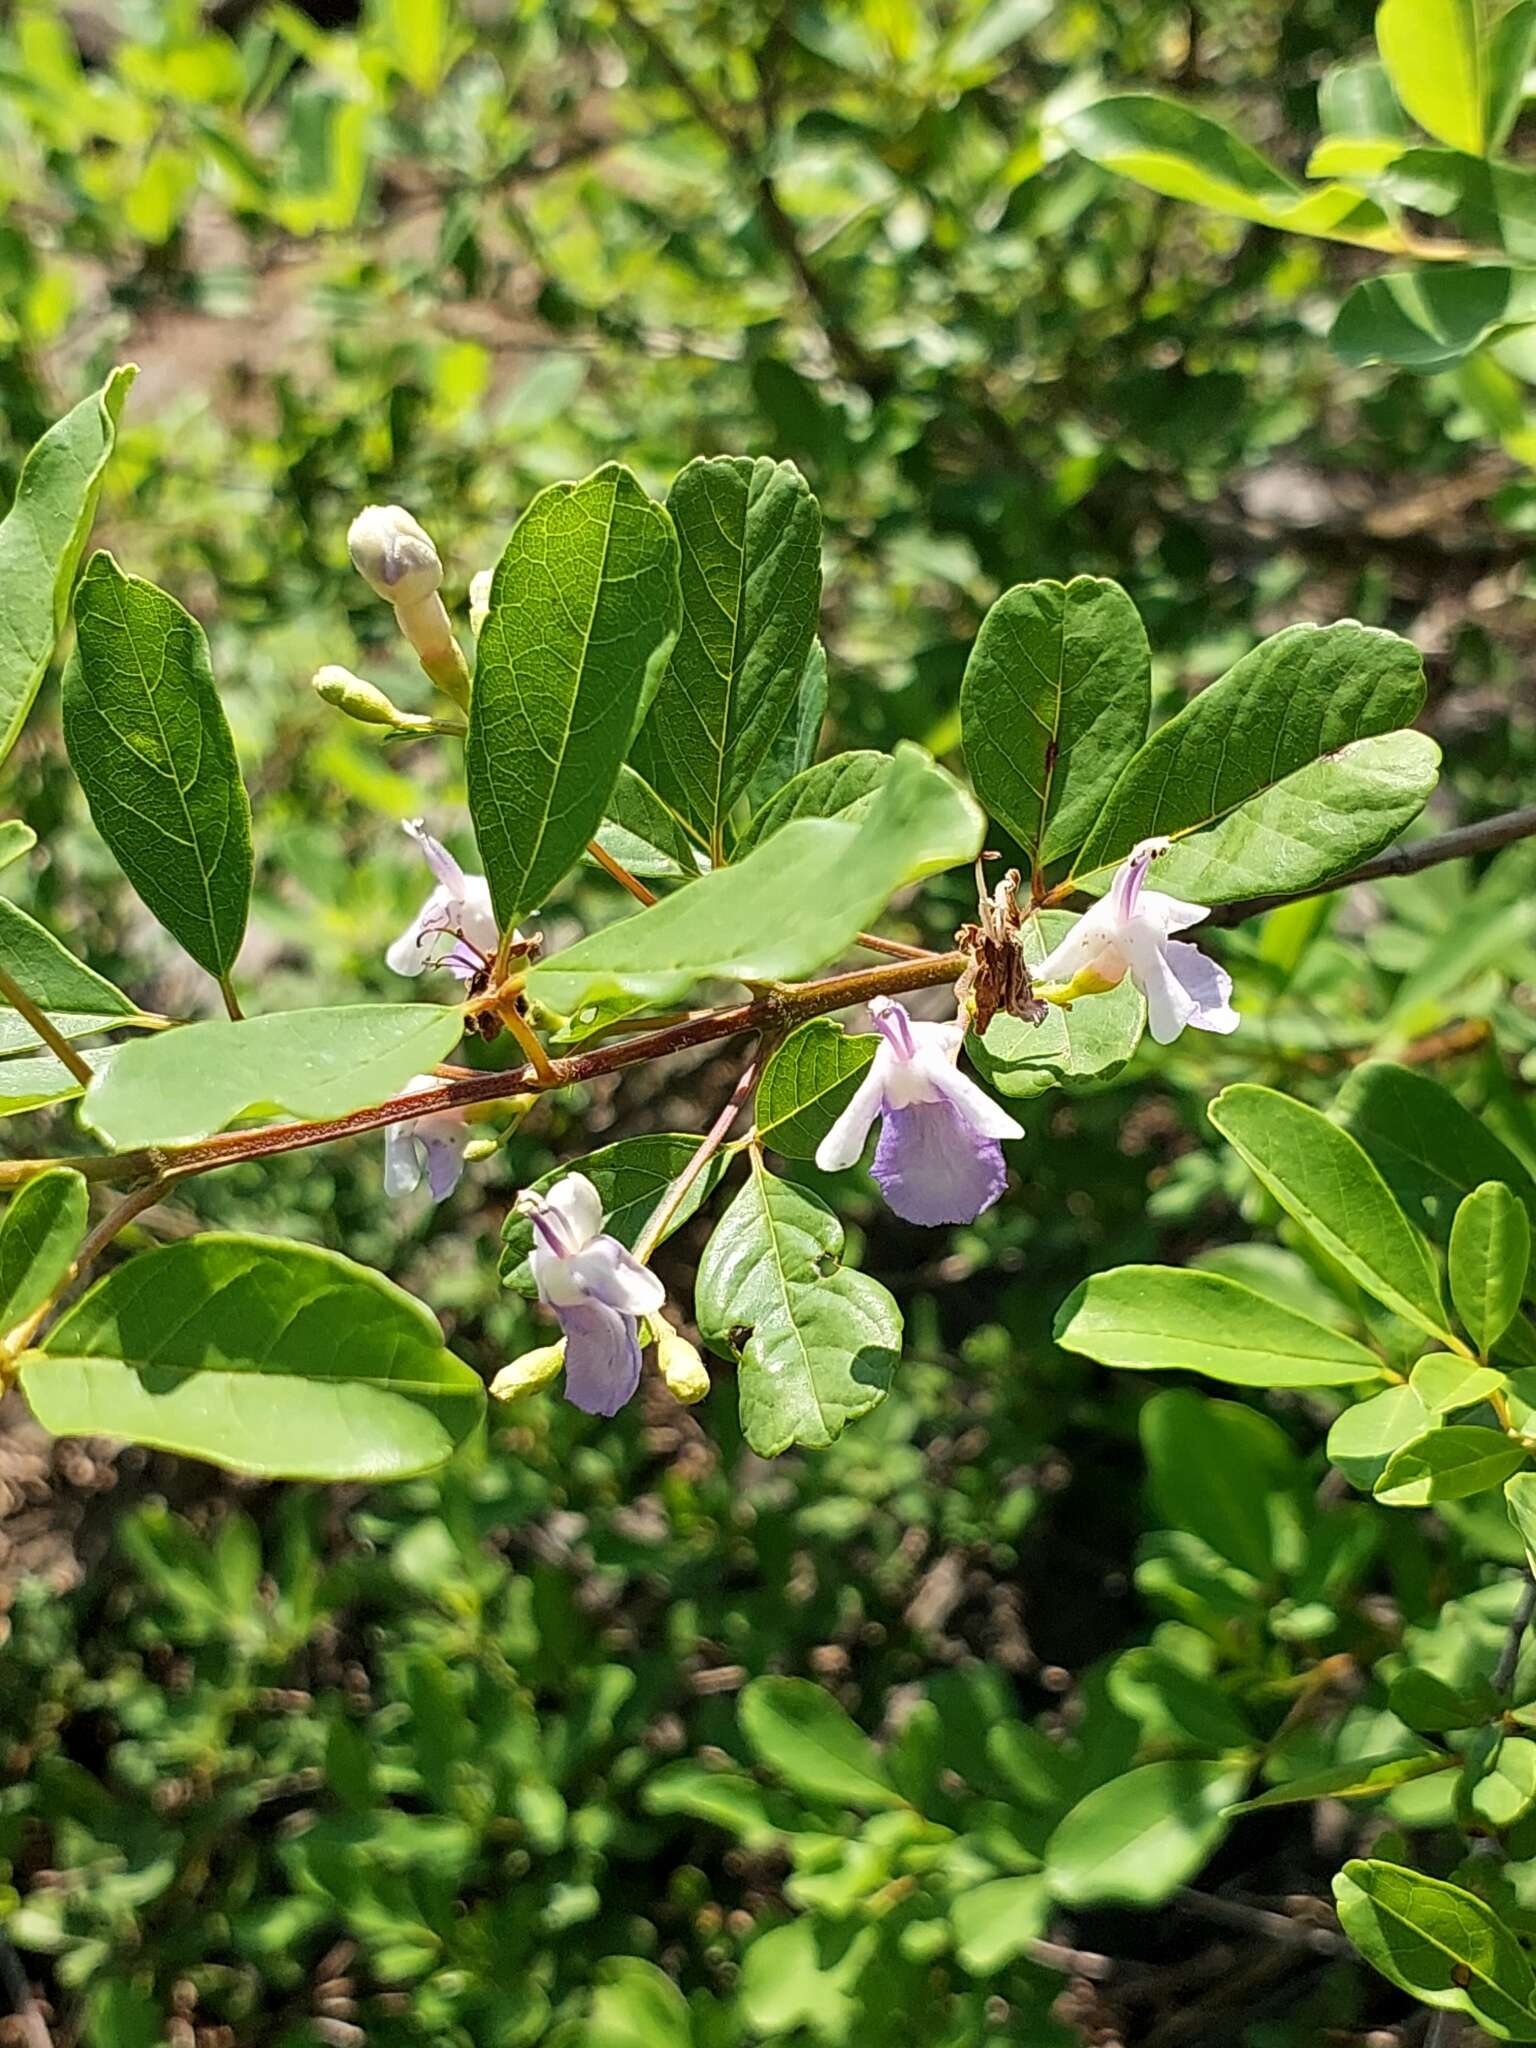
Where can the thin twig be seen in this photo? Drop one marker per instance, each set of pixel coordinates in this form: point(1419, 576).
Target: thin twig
point(894, 947)
point(1259, 1920)
point(1077, 1962)
point(620, 873)
point(43, 1025)
point(1509, 1656)
point(1485, 837)
point(674, 1197)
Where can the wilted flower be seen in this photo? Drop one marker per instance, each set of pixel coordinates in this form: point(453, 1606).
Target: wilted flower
point(394, 555)
point(1127, 932)
point(459, 910)
point(938, 1159)
point(434, 1144)
point(596, 1288)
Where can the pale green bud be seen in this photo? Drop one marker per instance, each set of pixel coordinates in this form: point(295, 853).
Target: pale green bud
point(361, 700)
point(480, 600)
point(394, 555)
point(681, 1367)
point(527, 1374)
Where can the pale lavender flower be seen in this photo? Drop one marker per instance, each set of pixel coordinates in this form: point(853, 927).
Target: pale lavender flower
point(434, 1144)
point(596, 1289)
point(1127, 932)
point(938, 1159)
point(456, 927)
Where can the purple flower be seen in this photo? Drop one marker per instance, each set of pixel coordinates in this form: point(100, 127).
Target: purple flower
point(456, 927)
point(596, 1288)
point(1127, 932)
point(938, 1159)
point(432, 1143)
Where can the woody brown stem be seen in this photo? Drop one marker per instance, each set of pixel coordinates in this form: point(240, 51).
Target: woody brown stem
point(777, 1009)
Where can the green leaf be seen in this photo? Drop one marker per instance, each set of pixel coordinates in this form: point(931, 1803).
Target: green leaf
point(726, 1799)
point(802, 1734)
point(1511, 52)
point(1365, 1778)
point(1445, 1382)
point(1356, 98)
point(149, 742)
point(643, 835)
point(1430, 1150)
point(15, 838)
point(1134, 1840)
point(731, 925)
point(41, 541)
point(1490, 1256)
point(1504, 1791)
point(266, 1357)
point(1315, 824)
point(186, 1084)
point(1440, 1944)
point(52, 976)
point(1431, 1706)
point(1366, 1436)
point(1492, 204)
point(1217, 1469)
point(1174, 150)
point(843, 787)
point(1305, 692)
point(1520, 1500)
point(794, 749)
point(1448, 1464)
point(1085, 1042)
point(631, 1177)
point(996, 1922)
point(635, 2005)
point(808, 1083)
point(1434, 55)
point(584, 607)
point(1429, 320)
point(39, 1236)
point(38, 1083)
point(816, 1342)
point(1322, 1178)
point(1153, 1318)
point(1055, 700)
point(749, 537)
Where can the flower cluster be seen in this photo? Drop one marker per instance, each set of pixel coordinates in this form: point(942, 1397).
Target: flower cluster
point(938, 1158)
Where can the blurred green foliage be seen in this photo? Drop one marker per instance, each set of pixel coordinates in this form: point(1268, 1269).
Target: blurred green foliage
point(467, 1761)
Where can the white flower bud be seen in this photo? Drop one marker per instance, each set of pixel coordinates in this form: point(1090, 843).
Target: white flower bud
point(681, 1367)
point(527, 1374)
point(393, 555)
point(479, 600)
